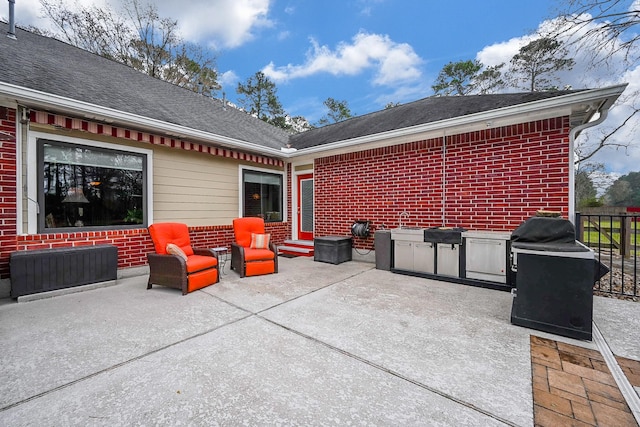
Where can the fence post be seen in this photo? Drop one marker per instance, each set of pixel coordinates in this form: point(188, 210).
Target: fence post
point(578, 225)
point(625, 236)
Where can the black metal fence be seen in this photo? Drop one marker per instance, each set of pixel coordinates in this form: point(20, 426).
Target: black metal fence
point(614, 238)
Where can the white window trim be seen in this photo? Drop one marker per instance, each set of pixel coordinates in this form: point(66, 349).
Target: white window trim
point(243, 168)
point(294, 193)
point(32, 171)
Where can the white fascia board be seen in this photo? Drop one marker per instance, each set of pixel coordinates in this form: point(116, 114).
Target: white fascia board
point(37, 99)
point(552, 107)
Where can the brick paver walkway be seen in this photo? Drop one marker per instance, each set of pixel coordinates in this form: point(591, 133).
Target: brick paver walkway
point(572, 386)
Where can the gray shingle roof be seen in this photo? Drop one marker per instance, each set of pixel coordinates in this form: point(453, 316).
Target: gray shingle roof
point(54, 67)
point(427, 110)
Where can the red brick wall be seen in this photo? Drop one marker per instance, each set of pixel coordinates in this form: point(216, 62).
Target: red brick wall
point(495, 179)
point(133, 245)
point(8, 207)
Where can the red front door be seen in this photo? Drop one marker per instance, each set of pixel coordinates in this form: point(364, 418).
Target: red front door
point(305, 207)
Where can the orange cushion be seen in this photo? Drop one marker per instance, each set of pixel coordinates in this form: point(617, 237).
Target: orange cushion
point(170, 232)
point(260, 241)
point(258, 254)
point(260, 267)
point(200, 262)
point(243, 227)
point(200, 280)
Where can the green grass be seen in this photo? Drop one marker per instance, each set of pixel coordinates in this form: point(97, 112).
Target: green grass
point(612, 228)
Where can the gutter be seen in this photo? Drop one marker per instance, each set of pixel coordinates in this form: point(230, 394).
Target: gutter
point(495, 116)
point(37, 99)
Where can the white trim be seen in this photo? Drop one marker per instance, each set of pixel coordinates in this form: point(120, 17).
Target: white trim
point(32, 178)
point(294, 195)
point(536, 110)
point(560, 105)
point(37, 99)
point(242, 168)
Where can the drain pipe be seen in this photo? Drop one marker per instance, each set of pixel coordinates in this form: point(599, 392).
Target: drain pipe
point(573, 134)
point(444, 177)
point(12, 20)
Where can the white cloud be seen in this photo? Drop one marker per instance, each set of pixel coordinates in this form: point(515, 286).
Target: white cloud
point(392, 62)
point(223, 23)
point(220, 23)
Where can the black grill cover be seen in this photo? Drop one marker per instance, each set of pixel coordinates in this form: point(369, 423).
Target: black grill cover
point(545, 230)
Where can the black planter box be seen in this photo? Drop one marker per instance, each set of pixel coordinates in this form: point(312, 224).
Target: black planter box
point(332, 249)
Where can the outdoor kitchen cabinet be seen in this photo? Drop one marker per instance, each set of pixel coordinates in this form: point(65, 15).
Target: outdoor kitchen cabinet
point(413, 256)
point(486, 255)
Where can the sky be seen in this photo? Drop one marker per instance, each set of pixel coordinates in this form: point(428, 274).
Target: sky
point(365, 52)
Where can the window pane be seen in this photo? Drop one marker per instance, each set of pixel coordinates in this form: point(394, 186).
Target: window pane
point(90, 187)
point(262, 194)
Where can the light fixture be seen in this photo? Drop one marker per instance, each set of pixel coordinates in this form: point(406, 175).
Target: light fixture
point(255, 196)
point(75, 195)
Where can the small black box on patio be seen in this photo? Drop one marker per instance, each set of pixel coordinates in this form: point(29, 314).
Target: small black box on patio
point(332, 249)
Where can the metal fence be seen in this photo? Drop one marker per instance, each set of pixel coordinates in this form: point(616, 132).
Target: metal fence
point(614, 238)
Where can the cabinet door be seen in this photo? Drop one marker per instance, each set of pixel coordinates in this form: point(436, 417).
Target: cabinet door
point(403, 255)
point(486, 259)
point(423, 255)
point(448, 260)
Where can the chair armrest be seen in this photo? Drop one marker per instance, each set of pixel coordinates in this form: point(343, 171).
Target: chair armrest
point(205, 252)
point(274, 249)
point(167, 270)
point(237, 258)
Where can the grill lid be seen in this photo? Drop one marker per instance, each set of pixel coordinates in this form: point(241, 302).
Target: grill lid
point(545, 230)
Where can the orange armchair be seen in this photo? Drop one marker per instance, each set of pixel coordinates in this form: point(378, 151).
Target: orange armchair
point(250, 254)
point(176, 264)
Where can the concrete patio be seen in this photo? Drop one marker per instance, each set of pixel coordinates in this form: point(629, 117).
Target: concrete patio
point(316, 344)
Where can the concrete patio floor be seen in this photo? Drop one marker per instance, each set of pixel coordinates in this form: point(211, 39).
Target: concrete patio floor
point(315, 344)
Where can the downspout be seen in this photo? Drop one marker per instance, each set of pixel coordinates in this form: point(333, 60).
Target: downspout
point(573, 134)
point(12, 20)
point(444, 177)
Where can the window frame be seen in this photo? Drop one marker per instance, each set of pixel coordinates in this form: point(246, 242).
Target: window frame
point(283, 189)
point(35, 193)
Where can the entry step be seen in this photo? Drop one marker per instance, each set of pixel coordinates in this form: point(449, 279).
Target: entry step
point(297, 248)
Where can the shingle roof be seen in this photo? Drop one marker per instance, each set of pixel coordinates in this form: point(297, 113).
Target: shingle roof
point(427, 110)
point(51, 66)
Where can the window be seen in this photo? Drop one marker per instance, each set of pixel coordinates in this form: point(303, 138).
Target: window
point(89, 187)
point(262, 195)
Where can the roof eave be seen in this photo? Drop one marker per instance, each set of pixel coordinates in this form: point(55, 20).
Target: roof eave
point(591, 101)
point(41, 100)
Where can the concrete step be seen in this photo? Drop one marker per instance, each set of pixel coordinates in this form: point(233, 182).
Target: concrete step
point(295, 251)
point(299, 243)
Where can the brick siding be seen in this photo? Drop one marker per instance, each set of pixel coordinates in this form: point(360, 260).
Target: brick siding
point(494, 180)
point(8, 206)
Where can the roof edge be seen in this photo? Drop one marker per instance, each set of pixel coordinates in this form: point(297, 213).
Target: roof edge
point(36, 99)
point(607, 96)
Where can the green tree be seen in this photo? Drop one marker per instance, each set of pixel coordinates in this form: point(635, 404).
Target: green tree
point(490, 80)
point(338, 111)
point(137, 37)
point(535, 65)
point(259, 98)
point(585, 190)
point(625, 191)
point(457, 78)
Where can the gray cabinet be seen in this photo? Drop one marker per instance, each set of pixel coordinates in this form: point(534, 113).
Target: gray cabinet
point(413, 256)
point(448, 263)
point(486, 255)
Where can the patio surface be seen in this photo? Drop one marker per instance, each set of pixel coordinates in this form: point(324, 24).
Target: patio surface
point(316, 344)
